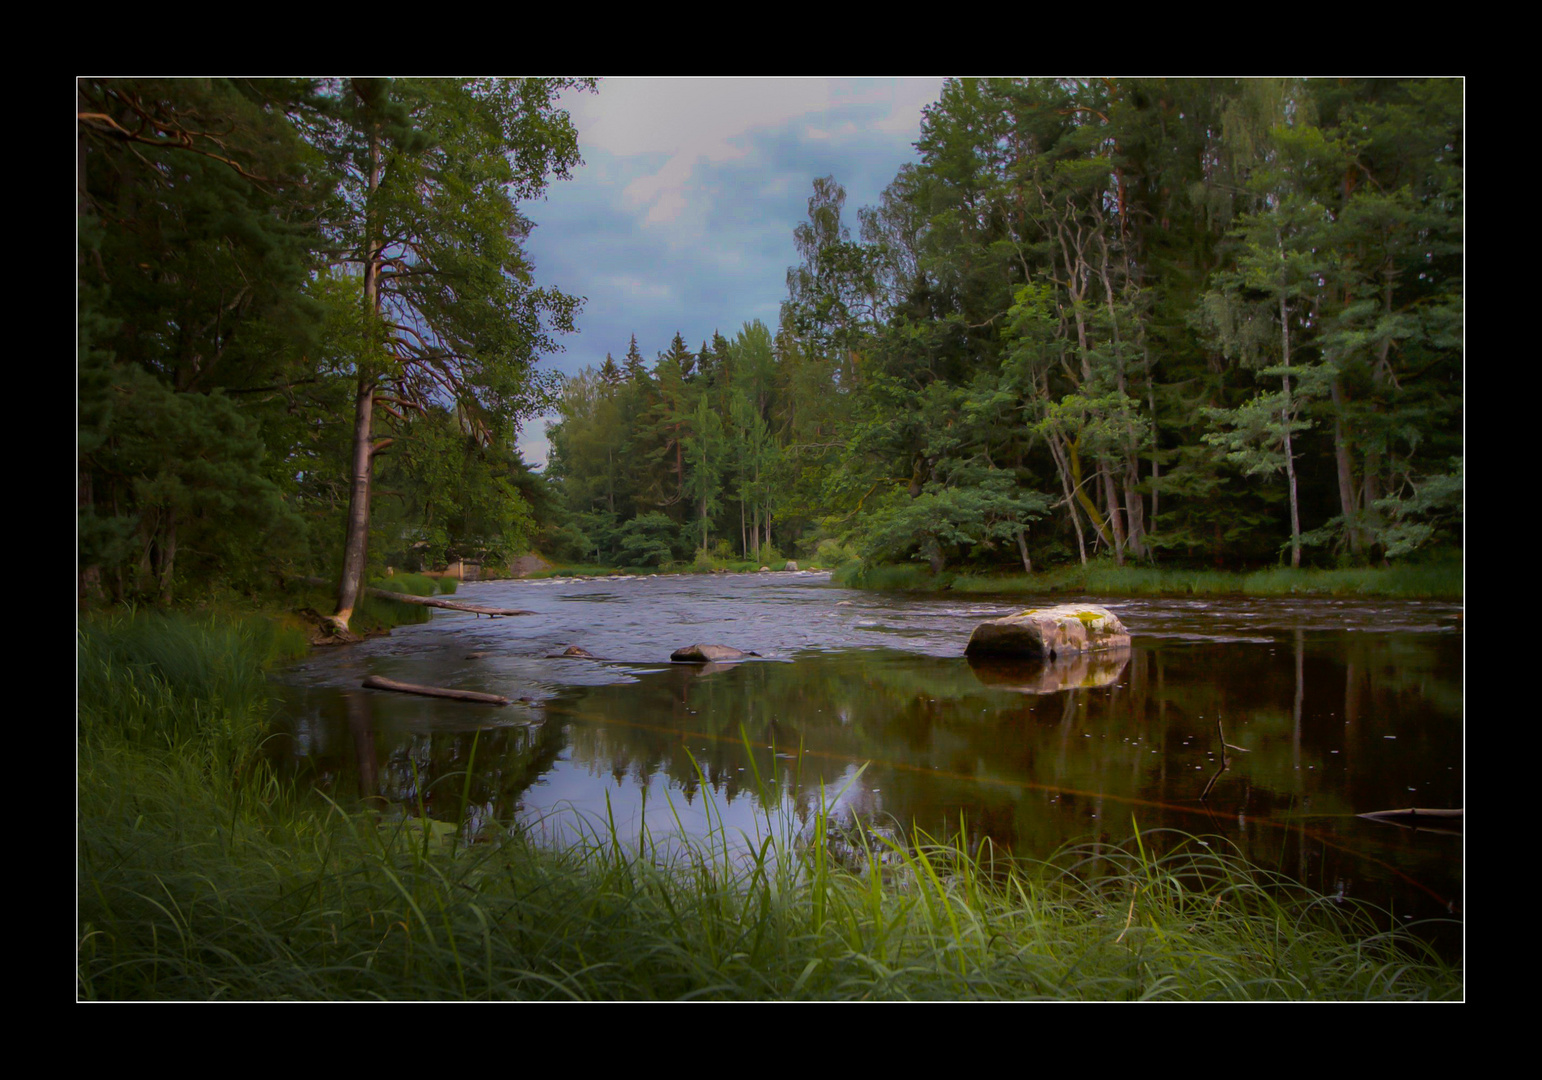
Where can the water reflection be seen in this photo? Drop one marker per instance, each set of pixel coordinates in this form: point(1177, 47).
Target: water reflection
point(1275, 738)
point(1070, 672)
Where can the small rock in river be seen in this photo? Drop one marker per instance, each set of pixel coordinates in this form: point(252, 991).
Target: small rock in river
point(702, 654)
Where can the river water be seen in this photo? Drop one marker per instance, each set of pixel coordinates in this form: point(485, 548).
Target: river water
point(863, 702)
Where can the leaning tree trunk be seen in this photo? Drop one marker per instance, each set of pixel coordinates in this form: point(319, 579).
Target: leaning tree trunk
point(1063, 468)
point(1022, 551)
point(356, 543)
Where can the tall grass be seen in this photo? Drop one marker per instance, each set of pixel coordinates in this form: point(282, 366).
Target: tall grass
point(411, 584)
point(164, 680)
point(417, 584)
point(326, 904)
point(198, 881)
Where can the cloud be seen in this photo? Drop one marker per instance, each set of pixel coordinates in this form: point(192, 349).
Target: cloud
point(681, 218)
point(636, 288)
point(534, 447)
point(696, 122)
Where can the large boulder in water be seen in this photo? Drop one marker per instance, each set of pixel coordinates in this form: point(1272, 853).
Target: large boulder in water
point(704, 654)
point(1047, 633)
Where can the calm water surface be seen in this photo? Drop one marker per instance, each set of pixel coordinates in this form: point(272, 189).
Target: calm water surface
point(865, 701)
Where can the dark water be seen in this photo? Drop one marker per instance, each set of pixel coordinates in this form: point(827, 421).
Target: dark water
point(1343, 707)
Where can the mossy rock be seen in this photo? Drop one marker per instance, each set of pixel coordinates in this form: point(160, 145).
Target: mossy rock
point(1047, 633)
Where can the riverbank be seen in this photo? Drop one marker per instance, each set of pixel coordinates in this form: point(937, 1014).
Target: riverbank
point(1438, 581)
point(715, 566)
point(202, 876)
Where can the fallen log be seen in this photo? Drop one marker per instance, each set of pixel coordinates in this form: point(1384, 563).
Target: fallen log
point(451, 605)
point(1446, 821)
point(376, 682)
point(408, 598)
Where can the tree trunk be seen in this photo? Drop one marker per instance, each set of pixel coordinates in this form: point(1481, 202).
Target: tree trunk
point(1156, 465)
point(1346, 472)
point(1022, 551)
point(1290, 457)
point(1111, 498)
point(1061, 466)
point(356, 540)
point(933, 551)
point(1134, 509)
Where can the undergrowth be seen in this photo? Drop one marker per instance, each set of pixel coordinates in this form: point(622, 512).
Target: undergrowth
point(1430, 581)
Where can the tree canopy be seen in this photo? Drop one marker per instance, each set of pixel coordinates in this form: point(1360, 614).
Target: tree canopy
point(1213, 321)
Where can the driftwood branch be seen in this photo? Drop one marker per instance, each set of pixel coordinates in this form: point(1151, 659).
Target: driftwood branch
point(376, 682)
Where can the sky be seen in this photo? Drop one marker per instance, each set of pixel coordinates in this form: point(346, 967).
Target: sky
point(681, 217)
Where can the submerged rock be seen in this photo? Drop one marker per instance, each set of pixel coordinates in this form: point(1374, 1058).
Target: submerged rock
point(574, 651)
point(703, 654)
point(1047, 633)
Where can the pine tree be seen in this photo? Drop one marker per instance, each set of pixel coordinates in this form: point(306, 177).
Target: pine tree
point(433, 171)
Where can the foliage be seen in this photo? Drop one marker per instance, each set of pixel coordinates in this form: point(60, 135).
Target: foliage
point(252, 252)
point(1107, 308)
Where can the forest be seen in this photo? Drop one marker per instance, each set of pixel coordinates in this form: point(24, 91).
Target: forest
point(1197, 322)
point(1209, 322)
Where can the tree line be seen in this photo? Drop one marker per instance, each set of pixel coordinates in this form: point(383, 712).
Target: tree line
point(1209, 321)
point(307, 326)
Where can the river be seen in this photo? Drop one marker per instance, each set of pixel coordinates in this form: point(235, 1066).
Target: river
point(863, 702)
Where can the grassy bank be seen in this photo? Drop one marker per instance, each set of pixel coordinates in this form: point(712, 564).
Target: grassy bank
point(202, 876)
point(417, 584)
point(1424, 582)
